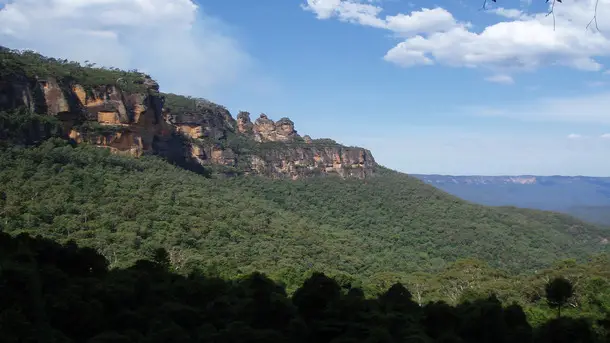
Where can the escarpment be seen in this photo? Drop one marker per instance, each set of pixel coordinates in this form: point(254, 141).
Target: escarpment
point(125, 112)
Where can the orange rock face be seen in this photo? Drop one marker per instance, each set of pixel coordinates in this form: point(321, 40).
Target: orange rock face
point(266, 130)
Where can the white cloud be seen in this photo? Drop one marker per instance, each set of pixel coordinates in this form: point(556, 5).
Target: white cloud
point(348, 11)
point(510, 13)
point(501, 78)
point(519, 43)
point(173, 40)
point(323, 9)
point(509, 46)
point(574, 136)
point(424, 21)
point(605, 136)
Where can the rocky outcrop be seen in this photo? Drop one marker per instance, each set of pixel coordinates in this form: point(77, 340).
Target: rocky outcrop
point(203, 119)
point(244, 124)
point(213, 155)
point(138, 115)
point(306, 160)
point(186, 131)
point(266, 130)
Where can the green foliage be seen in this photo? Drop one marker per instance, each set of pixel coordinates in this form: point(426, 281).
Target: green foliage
point(99, 129)
point(427, 228)
point(185, 104)
point(373, 232)
point(20, 126)
point(63, 293)
point(324, 141)
point(17, 64)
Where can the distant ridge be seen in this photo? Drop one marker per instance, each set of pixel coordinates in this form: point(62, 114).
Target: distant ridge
point(586, 197)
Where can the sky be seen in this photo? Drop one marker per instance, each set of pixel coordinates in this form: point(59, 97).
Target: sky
point(437, 87)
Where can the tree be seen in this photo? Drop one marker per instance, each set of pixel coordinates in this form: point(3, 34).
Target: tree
point(161, 257)
point(558, 291)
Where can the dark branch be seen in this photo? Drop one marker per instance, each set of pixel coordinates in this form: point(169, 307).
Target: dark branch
point(485, 4)
point(594, 19)
point(552, 11)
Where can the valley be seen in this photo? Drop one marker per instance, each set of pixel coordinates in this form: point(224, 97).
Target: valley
point(143, 199)
point(587, 198)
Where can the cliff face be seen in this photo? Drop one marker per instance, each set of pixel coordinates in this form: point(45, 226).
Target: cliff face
point(125, 122)
point(185, 130)
point(310, 160)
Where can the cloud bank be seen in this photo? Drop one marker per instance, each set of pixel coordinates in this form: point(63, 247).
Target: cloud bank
point(519, 42)
point(186, 50)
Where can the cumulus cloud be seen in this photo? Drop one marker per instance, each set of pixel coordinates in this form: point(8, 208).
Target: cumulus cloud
point(520, 42)
point(501, 78)
point(424, 21)
point(574, 136)
point(188, 51)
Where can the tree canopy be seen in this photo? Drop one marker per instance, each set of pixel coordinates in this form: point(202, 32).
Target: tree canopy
point(64, 293)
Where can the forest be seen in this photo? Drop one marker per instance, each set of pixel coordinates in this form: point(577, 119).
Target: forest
point(63, 293)
point(126, 207)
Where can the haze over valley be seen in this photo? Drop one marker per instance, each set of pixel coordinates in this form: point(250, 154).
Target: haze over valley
point(585, 197)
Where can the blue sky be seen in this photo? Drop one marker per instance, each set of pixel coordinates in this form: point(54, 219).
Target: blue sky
point(439, 87)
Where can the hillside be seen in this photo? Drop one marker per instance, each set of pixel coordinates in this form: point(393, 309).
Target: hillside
point(592, 214)
point(587, 198)
point(358, 230)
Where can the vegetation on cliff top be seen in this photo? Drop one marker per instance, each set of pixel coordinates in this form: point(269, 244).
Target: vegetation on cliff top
point(23, 127)
point(180, 104)
point(14, 65)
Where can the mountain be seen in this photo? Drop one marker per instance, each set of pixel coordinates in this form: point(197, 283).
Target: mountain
point(125, 111)
point(99, 156)
point(585, 197)
point(362, 231)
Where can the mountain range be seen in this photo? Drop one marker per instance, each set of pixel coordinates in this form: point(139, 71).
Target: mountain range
point(585, 197)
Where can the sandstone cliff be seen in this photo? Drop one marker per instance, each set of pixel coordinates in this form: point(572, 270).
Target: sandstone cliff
point(130, 116)
point(310, 160)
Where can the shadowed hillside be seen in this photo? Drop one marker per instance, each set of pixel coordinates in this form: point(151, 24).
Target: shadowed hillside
point(55, 293)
